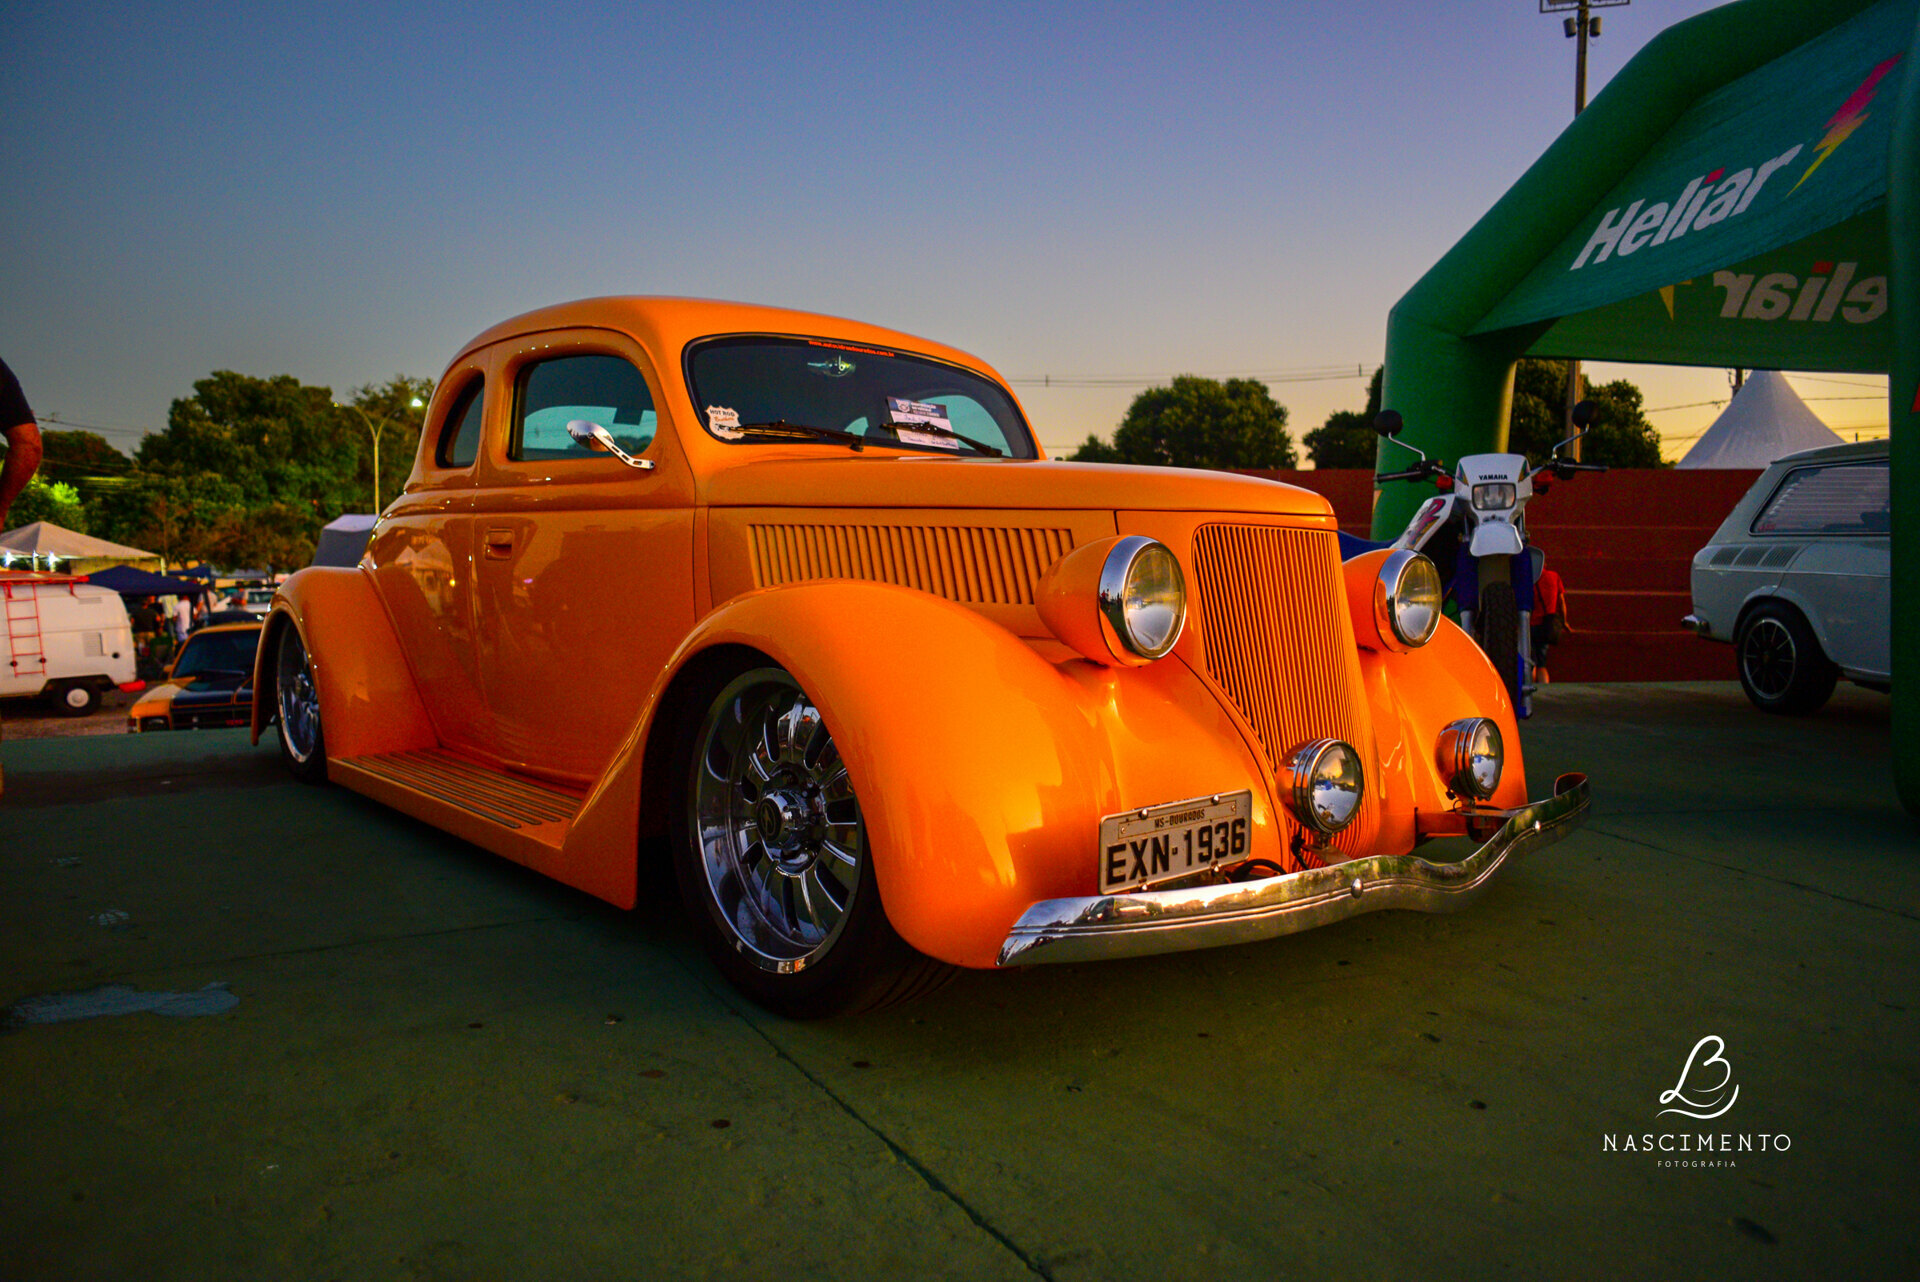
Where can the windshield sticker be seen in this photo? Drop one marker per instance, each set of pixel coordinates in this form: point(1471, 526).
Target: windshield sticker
point(832, 367)
point(722, 421)
point(905, 415)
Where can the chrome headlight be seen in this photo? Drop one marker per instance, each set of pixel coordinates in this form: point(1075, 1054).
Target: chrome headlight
point(1406, 600)
point(1470, 756)
point(1324, 784)
point(1497, 497)
point(1143, 596)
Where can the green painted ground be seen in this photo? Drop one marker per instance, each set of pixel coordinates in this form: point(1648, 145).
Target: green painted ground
point(443, 1067)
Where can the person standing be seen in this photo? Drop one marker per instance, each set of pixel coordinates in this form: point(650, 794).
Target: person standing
point(22, 431)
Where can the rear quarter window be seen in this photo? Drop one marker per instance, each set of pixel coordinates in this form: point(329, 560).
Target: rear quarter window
point(1838, 498)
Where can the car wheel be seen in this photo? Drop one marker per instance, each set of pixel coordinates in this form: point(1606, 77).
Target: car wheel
point(774, 863)
point(1782, 667)
point(297, 700)
point(75, 699)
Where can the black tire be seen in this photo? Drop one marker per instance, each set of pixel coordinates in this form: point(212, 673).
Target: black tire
point(1496, 626)
point(772, 859)
point(296, 698)
point(74, 698)
point(1782, 667)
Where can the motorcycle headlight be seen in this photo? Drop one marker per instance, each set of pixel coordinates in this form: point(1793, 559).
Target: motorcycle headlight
point(1406, 600)
point(1143, 596)
point(1497, 497)
point(1470, 756)
point(1324, 784)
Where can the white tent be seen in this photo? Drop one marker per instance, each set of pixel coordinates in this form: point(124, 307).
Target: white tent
point(1766, 420)
point(79, 553)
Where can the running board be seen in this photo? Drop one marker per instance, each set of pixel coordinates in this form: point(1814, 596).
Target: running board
point(511, 815)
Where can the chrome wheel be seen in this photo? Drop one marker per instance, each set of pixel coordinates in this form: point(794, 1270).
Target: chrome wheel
point(776, 827)
point(298, 701)
point(1782, 667)
point(1767, 657)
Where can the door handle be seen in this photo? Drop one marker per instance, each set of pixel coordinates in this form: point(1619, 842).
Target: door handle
point(499, 544)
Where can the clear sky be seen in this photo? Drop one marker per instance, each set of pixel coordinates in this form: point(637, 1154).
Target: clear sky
point(1111, 193)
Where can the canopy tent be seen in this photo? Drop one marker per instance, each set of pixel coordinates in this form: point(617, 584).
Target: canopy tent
point(40, 540)
point(128, 581)
point(343, 539)
point(1745, 192)
point(1765, 420)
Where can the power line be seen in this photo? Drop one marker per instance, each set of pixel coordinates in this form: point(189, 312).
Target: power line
point(1299, 374)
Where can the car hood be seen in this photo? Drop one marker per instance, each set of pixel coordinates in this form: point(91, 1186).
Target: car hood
point(933, 481)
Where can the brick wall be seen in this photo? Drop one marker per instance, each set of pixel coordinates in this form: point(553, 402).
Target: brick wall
point(1623, 542)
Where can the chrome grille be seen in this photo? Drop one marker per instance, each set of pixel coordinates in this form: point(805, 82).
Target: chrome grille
point(1278, 643)
point(971, 564)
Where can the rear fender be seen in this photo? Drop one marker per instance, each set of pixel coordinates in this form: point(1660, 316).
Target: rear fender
point(368, 702)
point(983, 763)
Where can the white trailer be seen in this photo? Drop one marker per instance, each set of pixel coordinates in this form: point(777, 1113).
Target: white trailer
point(65, 637)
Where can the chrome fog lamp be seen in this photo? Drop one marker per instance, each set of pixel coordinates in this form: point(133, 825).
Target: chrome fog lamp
point(1470, 756)
point(1143, 596)
point(1324, 784)
point(1497, 497)
point(1406, 600)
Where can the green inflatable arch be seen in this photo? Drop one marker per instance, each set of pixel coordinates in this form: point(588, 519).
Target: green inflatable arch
point(1745, 192)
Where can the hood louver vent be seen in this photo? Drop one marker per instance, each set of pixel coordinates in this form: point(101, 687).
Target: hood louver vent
point(973, 565)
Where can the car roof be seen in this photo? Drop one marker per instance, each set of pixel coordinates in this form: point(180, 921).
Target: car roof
point(1836, 453)
point(230, 627)
point(669, 324)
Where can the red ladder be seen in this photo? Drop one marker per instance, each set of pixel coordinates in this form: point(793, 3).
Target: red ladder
point(23, 626)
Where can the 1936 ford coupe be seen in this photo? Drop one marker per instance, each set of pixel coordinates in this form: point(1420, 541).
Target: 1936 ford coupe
point(799, 599)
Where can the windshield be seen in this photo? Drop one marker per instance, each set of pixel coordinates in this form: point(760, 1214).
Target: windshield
point(217, 653)
point(880, 397)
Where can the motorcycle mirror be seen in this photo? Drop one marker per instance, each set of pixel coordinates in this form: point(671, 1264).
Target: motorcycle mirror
point(1388, 423)
point(1583, 414)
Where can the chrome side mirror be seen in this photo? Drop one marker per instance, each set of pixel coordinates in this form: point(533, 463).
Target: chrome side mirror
point(600, 441)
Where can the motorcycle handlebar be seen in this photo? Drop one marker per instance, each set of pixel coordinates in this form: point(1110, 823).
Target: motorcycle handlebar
point(1432, 467)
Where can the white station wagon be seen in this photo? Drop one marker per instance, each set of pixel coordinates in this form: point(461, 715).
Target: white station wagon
point(1797, 578)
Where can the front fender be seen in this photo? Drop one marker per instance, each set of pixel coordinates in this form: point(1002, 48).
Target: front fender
point(1495, 538)
point(983, 763)
point(368, 702)
point(1412, 697)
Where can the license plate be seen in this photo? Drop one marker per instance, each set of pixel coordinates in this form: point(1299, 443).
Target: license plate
point(1160, 843)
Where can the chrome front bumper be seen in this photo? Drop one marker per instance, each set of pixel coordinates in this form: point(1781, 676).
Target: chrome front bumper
point(1138, 923)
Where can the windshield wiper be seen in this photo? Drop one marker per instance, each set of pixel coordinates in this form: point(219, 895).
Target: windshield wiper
point(935, 429)
point(782, 429)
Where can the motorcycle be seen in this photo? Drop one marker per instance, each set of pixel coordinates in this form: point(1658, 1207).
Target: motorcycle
point(1480, 547)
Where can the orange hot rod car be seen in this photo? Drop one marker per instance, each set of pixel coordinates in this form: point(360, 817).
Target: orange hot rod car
point(800, 598)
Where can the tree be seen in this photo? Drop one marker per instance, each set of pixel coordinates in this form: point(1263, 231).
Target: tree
point(1094, 450)
point(172, 515)
point(55, 502)
point(395, 409)
point(1200, 422)
point(1620, 435)
point(1347, 439)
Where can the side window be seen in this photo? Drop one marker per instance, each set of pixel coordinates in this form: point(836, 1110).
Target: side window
point(1851, 498)
point(460, 437)
point(601, 389)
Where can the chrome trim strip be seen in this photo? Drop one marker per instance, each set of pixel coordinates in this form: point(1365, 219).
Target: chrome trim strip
point(1141, 923)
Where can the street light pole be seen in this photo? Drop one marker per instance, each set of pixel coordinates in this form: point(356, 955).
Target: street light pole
point(374, 432)
point(1584, 26)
